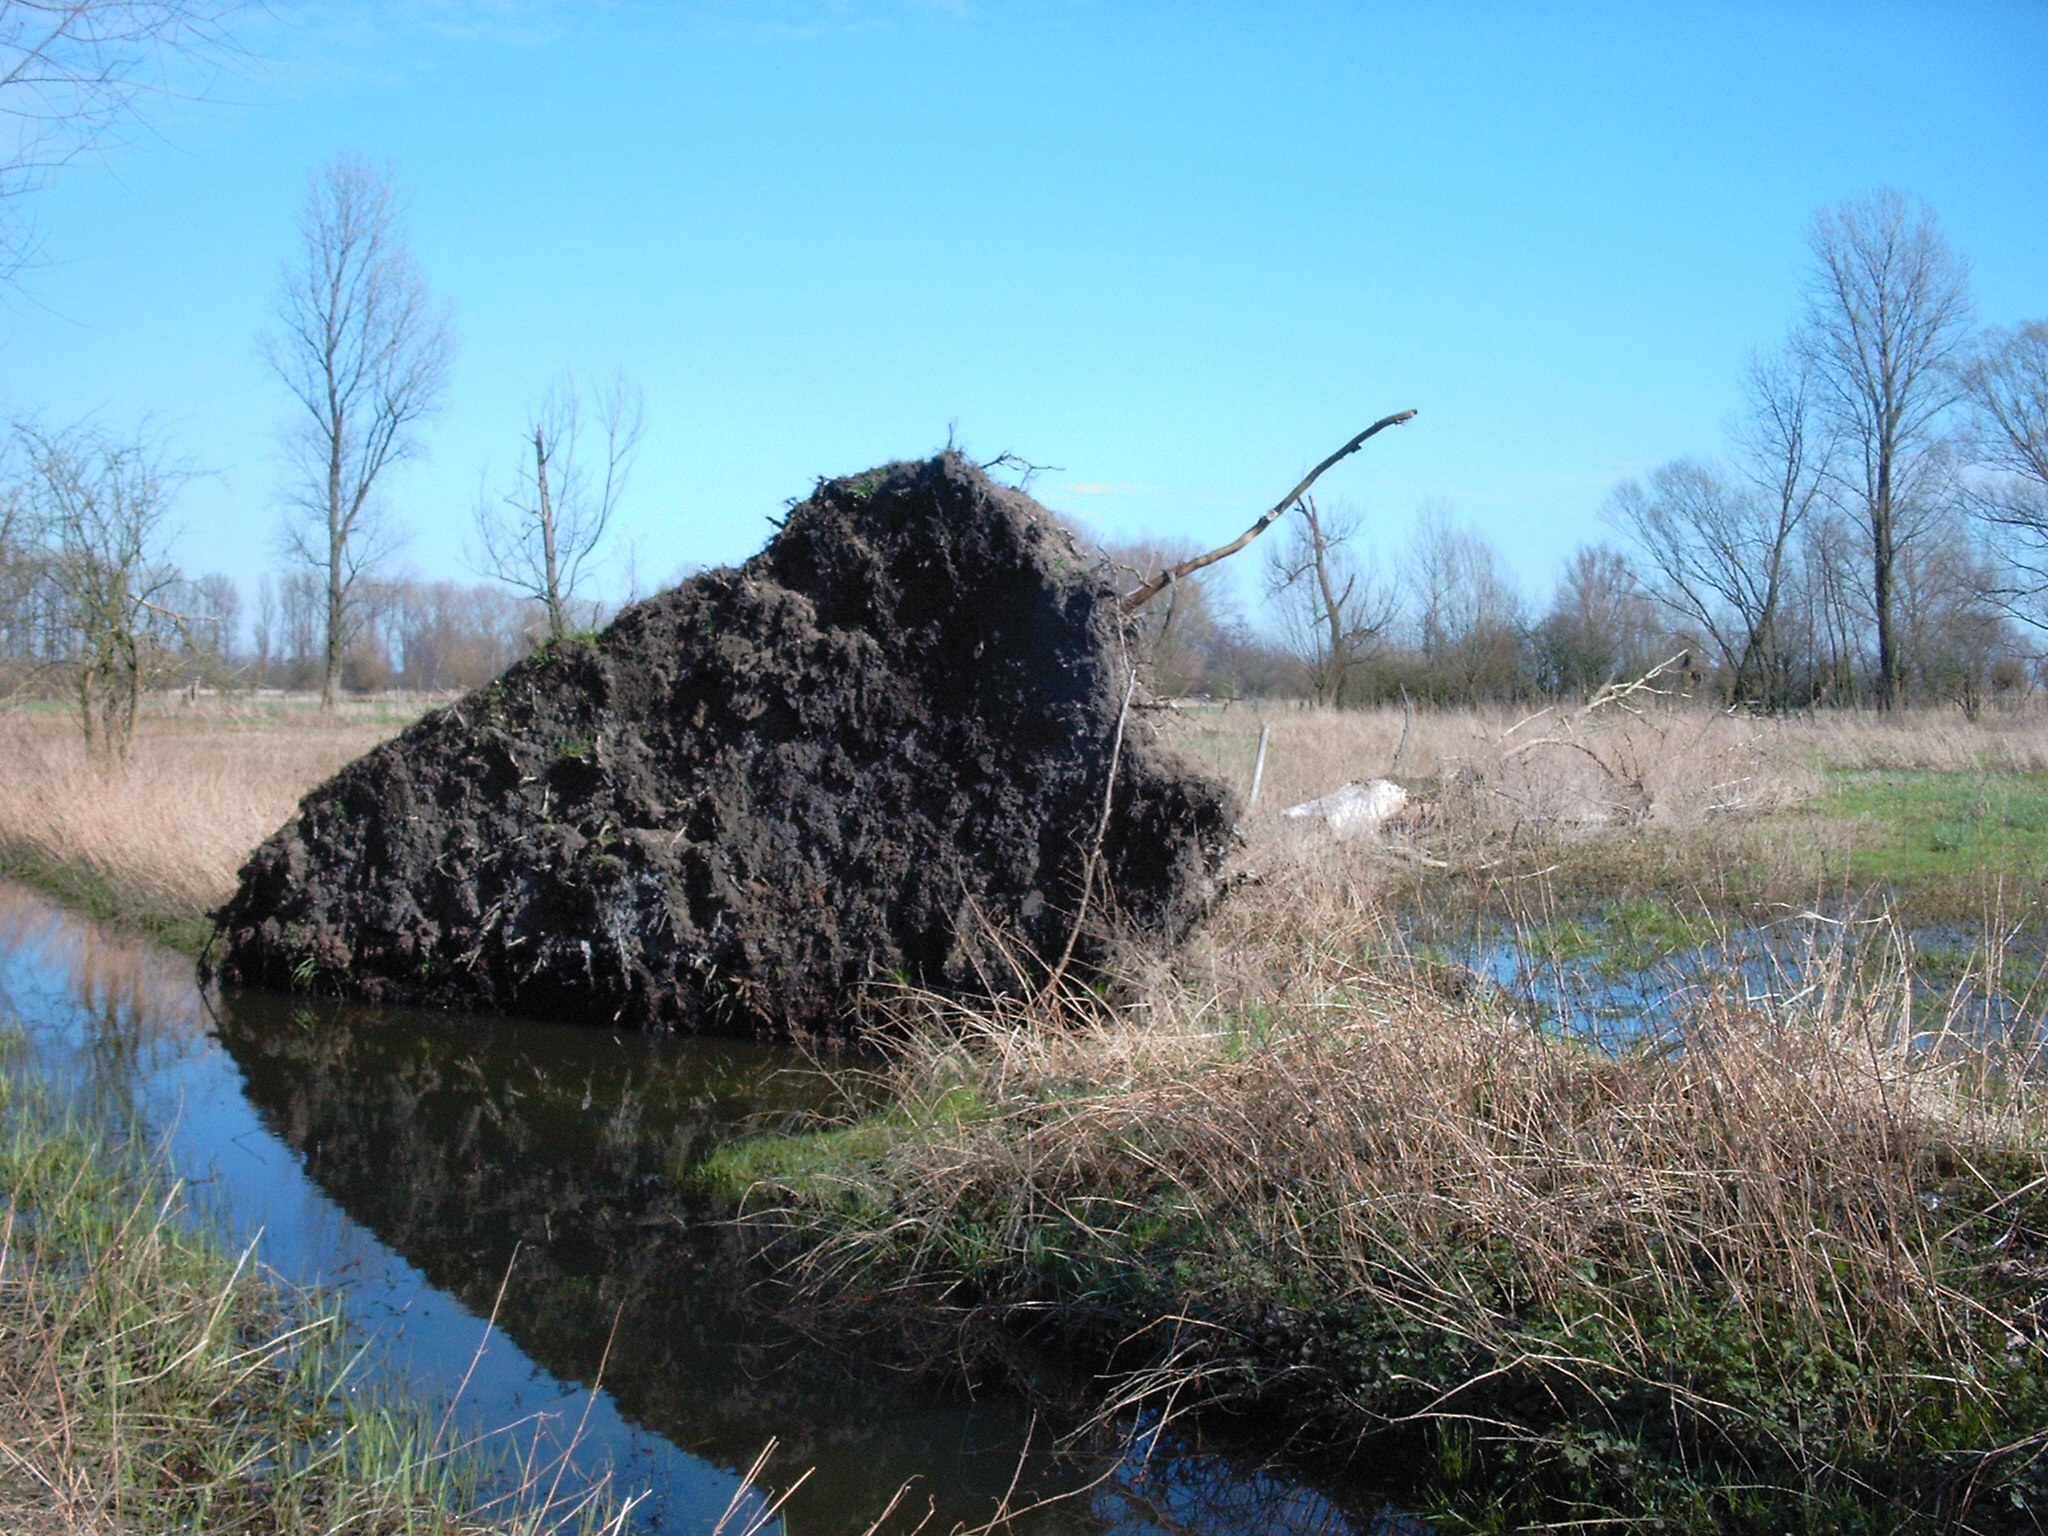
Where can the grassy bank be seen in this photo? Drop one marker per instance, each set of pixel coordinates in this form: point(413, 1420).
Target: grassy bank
point(150, 1381)
point(1781, 1269)
point(1788, 1275)
point(153, 842)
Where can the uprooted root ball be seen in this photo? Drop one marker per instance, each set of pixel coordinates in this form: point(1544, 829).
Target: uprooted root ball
point(883, 739)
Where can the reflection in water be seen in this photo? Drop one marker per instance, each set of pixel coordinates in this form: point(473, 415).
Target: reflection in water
point(422, 1162)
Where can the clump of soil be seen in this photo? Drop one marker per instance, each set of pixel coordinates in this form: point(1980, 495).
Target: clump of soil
point(856, 757)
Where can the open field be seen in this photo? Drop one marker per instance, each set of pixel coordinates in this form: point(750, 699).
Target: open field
point(1691, 798)
point(155, 840)
point(1778, 1265)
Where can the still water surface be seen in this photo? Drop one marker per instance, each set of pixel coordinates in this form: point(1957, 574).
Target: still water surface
point(420, 1163)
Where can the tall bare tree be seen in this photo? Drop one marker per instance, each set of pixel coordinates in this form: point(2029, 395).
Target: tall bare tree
point(1888, 317)
point(1331, 612)
point(98, 505)
point(542, 533)
point(2008, 393)
point(71, 72)
point(1601, 627)
point(1720, 547)
point(365, 353)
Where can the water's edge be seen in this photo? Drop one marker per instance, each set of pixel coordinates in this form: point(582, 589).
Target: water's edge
point(428, 1167)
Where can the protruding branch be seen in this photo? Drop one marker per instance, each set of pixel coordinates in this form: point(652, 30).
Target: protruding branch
point(1133, 601)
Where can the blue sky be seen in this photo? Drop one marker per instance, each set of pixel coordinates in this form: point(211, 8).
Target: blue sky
point(1179, 250)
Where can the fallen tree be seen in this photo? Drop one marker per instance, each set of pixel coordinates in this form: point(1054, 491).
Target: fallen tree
point(899, 743)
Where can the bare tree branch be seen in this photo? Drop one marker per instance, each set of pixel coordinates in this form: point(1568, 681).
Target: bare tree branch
point(71, 72)
point(1143, 595)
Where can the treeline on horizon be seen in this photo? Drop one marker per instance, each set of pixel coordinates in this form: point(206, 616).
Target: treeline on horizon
point(1874, 532)
point(1440, 622)
point(1448, 625)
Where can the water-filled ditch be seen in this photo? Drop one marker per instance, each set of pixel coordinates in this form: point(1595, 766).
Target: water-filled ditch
point(426, 1166)
point(1629, 976)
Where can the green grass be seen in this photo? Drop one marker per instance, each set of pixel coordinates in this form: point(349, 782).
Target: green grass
point(1932, 846)
point(1920, 827)
point(151, 1380)
point(78, 885)
point(833, 1167)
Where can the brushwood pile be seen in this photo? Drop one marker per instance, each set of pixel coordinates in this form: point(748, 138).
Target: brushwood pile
point(876, 752)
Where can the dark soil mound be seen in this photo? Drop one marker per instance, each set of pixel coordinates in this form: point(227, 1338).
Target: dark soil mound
point(849, 759)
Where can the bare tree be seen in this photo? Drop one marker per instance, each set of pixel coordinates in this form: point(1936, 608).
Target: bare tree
point(298, 635)
point(264, 631)
point(1720, 549)
point(71, 72)
point(1888, 316)
point(98, 504)
point(1953, 628)
point(540, 536)
point(1601, 628)
point(365, 353)
point(210, 609)
point(1173, 639)
point(1332, 613)
point(20, 561)
point(2008, 395)
point(1468, 617)
point(1826, 619)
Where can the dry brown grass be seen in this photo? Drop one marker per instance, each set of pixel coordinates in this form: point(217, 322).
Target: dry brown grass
point(1782, 1260)
point(158, 838)
point(1662, 762)
point(2010, 740)
point(1498, 770)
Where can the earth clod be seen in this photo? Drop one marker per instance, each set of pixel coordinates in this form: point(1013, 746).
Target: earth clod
point(876, 752)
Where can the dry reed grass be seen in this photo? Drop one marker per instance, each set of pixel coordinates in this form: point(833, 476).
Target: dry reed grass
point(1495, 772)
point(1787, 1261)
point(1645, 760)
point(158, 838)
point(2007, 740)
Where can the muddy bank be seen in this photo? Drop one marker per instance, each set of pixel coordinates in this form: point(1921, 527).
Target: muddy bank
point(850, 759)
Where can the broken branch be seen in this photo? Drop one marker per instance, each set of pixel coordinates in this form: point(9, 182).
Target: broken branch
point(1133, 601)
